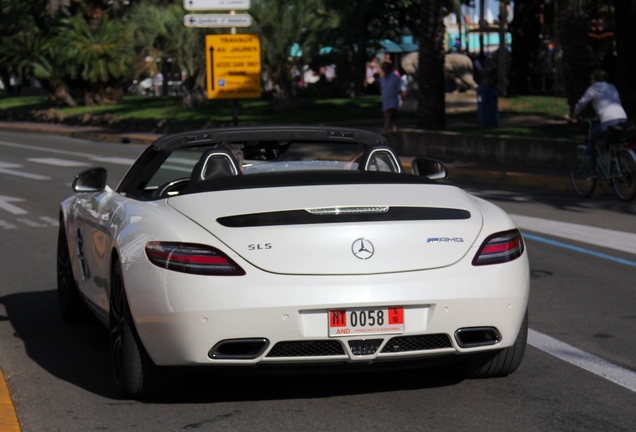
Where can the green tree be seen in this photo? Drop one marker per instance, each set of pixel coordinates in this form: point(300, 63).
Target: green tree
point(161, 42)
point(97, 61)
point(282, 24)
point(364, 23)
point(32, 55)
point(88, 52)
point(20, 24)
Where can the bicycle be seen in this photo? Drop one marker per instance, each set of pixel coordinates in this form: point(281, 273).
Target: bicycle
point(616, 162)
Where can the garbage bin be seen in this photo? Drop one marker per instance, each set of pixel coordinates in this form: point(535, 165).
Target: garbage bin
point(487, 110)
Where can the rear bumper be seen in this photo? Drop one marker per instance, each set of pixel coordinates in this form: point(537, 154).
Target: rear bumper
point(284, 319)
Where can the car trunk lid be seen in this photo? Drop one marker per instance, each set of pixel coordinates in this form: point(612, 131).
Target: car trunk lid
point(343, 229)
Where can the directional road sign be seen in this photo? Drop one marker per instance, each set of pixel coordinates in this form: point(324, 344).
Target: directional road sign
point(202, 5)
point(217, 20)
point(233, 66)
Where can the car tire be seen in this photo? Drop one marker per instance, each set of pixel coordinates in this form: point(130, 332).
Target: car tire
point(500, 363)
point(72, 308)
point(134, 373)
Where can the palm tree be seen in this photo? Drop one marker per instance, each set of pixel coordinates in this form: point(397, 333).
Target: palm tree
point(96, 60)
point(30, 53)
point(22, 31)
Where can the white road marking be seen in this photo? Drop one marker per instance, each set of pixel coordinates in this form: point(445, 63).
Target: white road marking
point(113, 160)
point(493, 194)
point(32, 224)
point(6, 206)
point(58, 162)
point(6, 225)
point(7, 165)
point(45, 149)
point(9, 168)
point(617, 240)
point(46, 221)
point(62, 162)
point(616, 374)
point(49, 220)
point(177, 168)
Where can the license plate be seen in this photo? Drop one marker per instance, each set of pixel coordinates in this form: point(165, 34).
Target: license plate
point(360, 322)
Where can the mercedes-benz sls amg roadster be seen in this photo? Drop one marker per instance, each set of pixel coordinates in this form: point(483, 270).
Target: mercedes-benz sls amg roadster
point(284, 246)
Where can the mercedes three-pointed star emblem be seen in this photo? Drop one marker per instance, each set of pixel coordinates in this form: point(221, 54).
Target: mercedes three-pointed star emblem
point(362, 248)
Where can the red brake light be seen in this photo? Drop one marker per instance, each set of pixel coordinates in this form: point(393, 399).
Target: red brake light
point(500, 248)
point(192, 258)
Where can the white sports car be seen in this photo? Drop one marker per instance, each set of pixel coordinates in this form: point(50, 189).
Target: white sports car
point(289, 245)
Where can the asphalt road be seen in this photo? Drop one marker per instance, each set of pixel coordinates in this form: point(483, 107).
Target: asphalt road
point(579, 373)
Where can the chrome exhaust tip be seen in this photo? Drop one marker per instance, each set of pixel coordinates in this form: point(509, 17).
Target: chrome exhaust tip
point(473, 337)
point(239, 349)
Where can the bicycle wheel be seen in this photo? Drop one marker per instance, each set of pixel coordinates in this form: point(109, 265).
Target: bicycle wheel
point(624, 175)
point(580, 172)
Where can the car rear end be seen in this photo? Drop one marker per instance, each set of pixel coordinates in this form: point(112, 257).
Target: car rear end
point(329, 274)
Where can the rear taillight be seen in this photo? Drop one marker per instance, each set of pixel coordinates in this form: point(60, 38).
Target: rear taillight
point(192, 258)
point(500, 248)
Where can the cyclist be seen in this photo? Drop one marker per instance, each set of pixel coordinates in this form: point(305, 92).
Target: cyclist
point(607, 104)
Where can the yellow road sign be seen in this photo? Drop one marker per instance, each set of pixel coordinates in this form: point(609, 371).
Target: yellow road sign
point(233, 66)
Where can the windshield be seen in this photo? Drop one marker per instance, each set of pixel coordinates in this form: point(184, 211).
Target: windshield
point(181, 165)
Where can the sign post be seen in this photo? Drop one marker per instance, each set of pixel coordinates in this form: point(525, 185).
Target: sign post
point(233, 61)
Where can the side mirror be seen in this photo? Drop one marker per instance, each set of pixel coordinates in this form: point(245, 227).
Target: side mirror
point(90, 180)
point(431, 168)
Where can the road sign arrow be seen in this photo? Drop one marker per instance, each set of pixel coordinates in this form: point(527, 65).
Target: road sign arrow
point(211, 69)
point(217, 20)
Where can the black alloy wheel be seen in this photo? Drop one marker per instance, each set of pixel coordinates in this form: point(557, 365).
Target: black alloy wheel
point(500, 363)
point(134, 373)
point(130, 365)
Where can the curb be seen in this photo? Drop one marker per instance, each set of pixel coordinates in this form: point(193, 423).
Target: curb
point(8, 418)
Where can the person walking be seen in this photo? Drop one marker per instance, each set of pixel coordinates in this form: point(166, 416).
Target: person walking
point(606, 101)
point(392, 90)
